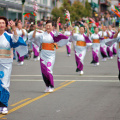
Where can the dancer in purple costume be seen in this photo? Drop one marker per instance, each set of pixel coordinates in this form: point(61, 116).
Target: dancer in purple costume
point(47, 41)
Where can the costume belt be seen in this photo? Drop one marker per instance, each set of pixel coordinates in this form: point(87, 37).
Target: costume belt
point(81, 43)
point(105, 37)
point(5, 53)
point(96, 41)
point(49, 46)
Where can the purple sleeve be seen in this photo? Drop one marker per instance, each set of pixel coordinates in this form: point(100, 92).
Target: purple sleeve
point(113, 32)
point(59, 37)
point(101, 38)
point(111, 36)
point(87, 40)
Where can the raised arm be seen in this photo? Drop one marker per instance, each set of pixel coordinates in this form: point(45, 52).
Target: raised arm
point(114, 30)
point(15, 36)
point(108, 33)
point(12, 24)
point(34, 33)
point(116, 34)
point(73, 31)
point(23, 33)
point(102, 34)
point(88, 31)
point(58, 20)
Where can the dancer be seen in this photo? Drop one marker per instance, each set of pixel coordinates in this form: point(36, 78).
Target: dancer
point(22, 33)
point(47, 55)
point(95, 47)
point(8, 41)
point(117, 35)
point(103, 48)
point(31, 39)
point(116, 38)
point(114, 49)
point(68, 46)
point(111, 33)
point(80, 47)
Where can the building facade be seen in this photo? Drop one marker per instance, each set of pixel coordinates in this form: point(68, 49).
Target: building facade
point(104, 5)
point(13, 8)
point(114, 2)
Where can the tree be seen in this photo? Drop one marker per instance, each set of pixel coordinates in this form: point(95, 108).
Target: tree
point(57, 13)
point(77, 10)
point(88, 10)
point(66, 5)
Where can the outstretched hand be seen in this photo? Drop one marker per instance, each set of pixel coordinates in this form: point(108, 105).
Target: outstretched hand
point(12, 25)
point(118, 29)
point(85, 24)
point(58, 20)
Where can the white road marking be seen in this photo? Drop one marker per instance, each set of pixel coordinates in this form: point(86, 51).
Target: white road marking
point(33, 80)
point(65, 76)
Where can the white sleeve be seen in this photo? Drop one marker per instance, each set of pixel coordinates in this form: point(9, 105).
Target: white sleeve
point(65, 33)
point(37, 36)
point(100, 33)
point(30, 36)
point(118, 37)
point(91, 37)
point(75, 36)
point(38, 39)
point(25, 36)
point(14, 38)
point(56, 33)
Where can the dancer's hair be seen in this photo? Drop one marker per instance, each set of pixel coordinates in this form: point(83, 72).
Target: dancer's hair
point(5, 19)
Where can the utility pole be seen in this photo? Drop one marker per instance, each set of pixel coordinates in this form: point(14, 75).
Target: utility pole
point(23, 10)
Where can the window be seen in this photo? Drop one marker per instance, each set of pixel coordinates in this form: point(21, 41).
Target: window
point(1, 11)
point(45, 2)
point(12, 15)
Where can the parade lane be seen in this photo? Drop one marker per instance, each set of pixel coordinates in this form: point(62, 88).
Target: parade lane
point(71, 100)
point(93, 96)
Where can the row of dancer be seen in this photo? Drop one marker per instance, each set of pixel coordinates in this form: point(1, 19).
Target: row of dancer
point(97, 40)
point(47, 55)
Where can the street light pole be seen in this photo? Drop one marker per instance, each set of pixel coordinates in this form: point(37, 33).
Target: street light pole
point(23, 10)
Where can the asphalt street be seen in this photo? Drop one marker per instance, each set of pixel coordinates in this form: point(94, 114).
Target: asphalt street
point(92, 96)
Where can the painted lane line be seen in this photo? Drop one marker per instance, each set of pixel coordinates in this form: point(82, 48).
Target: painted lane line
point(64, 82)
point(65, 76)
point(84, 80)
point(35, 99)
point(65, 85)
point(20, 102)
